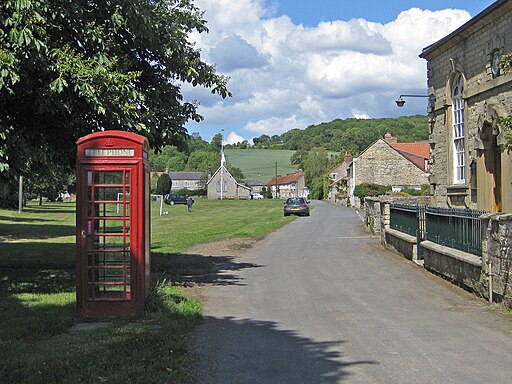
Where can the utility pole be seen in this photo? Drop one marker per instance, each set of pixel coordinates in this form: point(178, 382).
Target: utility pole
point(277, 188)
point(222, 162)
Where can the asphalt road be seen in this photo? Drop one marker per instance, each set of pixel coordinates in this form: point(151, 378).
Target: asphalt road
point(320, 301)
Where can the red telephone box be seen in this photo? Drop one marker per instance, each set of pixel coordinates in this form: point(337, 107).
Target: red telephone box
point(112, 224)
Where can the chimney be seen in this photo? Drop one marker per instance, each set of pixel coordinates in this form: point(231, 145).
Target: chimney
point(389, 138)
point(348, 157)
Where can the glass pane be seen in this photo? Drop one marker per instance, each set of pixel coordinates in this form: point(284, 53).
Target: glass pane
point(108, 229)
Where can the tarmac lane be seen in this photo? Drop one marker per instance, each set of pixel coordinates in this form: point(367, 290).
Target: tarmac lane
point(321, 301)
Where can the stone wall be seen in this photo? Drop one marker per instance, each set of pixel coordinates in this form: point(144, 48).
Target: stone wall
point(461, 268)
point(464, 269)
point(383, 165)
point(497, 253)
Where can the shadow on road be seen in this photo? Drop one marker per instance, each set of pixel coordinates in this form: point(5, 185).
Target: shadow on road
point(245, 351)
point(199, 269)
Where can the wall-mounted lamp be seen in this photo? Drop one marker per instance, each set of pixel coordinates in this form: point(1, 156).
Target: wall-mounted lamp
point(431, 100)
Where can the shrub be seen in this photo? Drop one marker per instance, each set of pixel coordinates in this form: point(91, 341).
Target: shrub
point(368, 189)
point(190, 192)
point(163, 185)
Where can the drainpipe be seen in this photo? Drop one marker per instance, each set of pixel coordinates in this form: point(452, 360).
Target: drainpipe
point(490, 275)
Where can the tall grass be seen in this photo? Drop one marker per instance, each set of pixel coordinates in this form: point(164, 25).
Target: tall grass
point(37, 296)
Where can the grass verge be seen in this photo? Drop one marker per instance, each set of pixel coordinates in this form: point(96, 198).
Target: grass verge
point(37, 296)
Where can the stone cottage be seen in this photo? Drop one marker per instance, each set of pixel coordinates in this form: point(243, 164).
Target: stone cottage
point(290, 185)
point(387, 162)
point(468, 168)
point(338, 177)
point(191, 180)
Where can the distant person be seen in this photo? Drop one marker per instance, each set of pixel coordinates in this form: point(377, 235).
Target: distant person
point(190, 201)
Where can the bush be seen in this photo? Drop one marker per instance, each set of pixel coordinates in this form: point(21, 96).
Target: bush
point(368, 189)
point(190, 192)
point(424, 191)
point(163, 185)
point(267, 192)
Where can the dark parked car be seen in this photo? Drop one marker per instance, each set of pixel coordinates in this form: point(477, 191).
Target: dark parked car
point(172, 199)
point(296, 206)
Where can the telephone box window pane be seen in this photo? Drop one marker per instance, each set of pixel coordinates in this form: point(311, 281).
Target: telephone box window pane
point(109, 275)
point(114, 209)
point(108, 251)
point(110, 193)
point(114, 226)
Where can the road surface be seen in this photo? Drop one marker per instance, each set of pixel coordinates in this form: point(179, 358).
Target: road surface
point(320, 301)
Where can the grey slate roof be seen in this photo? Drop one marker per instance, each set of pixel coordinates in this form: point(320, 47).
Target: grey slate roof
point(186, 175)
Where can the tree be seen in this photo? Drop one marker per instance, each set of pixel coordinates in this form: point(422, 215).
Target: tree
point(236, 173)
point(163, 184)
point(176, 163)
point(50, 183)
point(71, 67)
point(216, 143)
point(203, 160)
point(196, 143)
point(315, 164)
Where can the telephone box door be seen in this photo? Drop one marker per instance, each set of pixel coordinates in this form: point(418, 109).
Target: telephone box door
point(108, 264)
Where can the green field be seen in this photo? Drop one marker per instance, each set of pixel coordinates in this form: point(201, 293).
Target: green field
point(261, 163)
point(37, 294)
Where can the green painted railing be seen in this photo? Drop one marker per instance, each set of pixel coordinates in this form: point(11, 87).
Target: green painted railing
point(404, 218)
point(455, 228)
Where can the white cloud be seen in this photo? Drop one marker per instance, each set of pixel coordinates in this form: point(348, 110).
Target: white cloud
point(358, 115)
point(234, 53)
point(354, 35)
point(285, 76)
point(233, 138)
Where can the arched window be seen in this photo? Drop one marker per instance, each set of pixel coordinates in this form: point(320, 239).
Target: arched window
point(459, 151)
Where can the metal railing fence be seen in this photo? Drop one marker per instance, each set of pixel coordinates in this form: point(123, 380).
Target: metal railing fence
point(405, 218)
point(456, 228)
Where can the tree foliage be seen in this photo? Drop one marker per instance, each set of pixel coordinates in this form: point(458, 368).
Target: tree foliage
point(203, 161)
point(72, 67)
point(368, 189)
point(506, 121)
point(354, 135)
point(163, 184)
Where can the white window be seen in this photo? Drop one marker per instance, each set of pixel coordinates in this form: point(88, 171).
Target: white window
point(187, 184)
point(175, 184)
point(224, 184)
point(459, 151)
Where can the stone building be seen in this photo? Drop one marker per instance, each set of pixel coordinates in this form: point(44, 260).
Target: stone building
point(387, 162)
point(191, 180)
point(222, 185)
point(467, 166)
point(338, 178)
point(290, 185)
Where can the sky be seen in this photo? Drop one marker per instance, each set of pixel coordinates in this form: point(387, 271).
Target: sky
point(295, 63)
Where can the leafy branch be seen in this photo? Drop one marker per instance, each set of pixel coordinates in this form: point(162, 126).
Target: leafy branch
point(506, 122)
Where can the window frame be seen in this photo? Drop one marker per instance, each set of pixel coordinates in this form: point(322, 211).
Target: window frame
point(458, 132)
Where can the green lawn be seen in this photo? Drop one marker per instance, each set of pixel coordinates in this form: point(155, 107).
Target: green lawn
point(37, 295)
point(261, 163)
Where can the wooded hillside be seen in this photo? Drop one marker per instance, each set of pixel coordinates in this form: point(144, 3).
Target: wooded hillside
point(352, 135)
